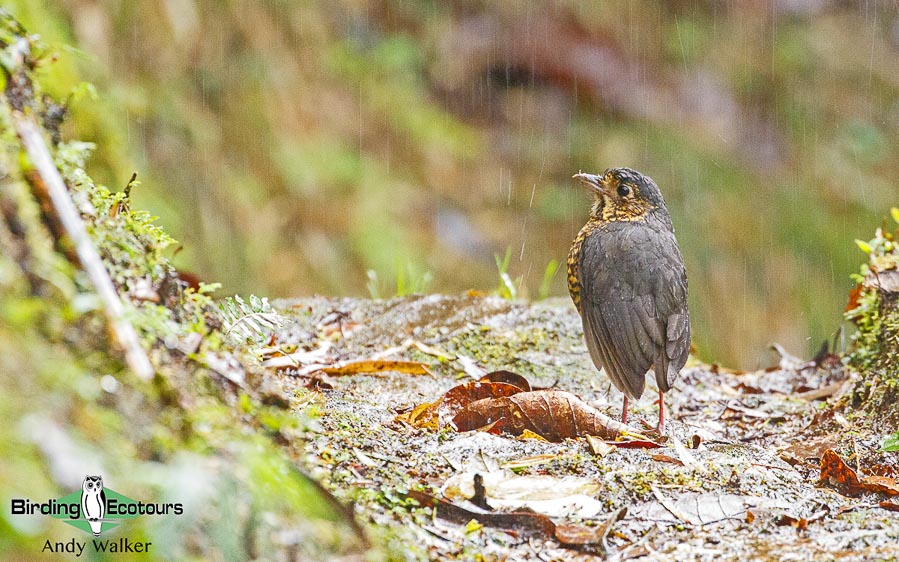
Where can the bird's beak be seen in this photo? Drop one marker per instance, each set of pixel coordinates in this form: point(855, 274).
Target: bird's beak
point(593, 182)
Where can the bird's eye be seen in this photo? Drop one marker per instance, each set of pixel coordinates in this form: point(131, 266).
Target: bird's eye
point(623, 190)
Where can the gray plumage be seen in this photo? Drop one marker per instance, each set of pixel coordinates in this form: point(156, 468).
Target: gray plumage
point(634, 303)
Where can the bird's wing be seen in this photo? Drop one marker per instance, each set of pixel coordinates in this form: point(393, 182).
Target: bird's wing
point(634, 304)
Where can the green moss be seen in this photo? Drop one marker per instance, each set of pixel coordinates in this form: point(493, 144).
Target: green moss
point(64, 376)
point(875, 350)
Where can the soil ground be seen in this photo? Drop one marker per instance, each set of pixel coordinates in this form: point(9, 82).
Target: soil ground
point(743, 487)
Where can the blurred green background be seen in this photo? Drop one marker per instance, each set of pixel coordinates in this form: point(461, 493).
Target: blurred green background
point(292, 147)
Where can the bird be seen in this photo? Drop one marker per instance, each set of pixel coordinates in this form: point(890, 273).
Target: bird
point(93, 503)
point(627, 279)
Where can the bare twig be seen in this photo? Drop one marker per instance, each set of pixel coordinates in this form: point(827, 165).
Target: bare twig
point(90, 259)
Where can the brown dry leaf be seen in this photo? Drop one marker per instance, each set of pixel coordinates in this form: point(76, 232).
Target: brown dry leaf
point(883, 470)
point(377, 366)
point(801, 523)
point(837, 474)
point(507, 377)
point(423, 416)
point(463, 396)
point(812, 448)
point(526, 462)
point(431, 415)
point(890, 506)
point(881, 485)
point(854, 295)
point(630, 443)
point(798, 523)
point(525, 523)
point(554, 414)
point(665, 458)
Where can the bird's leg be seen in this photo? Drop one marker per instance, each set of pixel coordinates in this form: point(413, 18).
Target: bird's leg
point(661, 426)
point(624, 410)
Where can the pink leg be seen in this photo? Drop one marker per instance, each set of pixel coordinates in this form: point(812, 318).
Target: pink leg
point(661, 426)
point(624, 410)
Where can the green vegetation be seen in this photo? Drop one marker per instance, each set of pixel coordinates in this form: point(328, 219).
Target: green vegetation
point(292, 148)
point(890, 443)
point(507, 289)
point(201, 432)
point(409, 281)
point(875, 313)
point(335, 194)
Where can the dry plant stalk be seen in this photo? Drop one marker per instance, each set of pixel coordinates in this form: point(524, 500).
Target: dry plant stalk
point(90, 259)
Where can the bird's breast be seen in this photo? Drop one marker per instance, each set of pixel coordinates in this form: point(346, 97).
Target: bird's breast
point(574, 256)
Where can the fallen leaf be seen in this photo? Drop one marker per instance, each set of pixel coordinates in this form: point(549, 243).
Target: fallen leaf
point(599, 447)
point(686, 457)
point(704, 508)
point(432, 415)
point(377, 366)
point(528, 434)
point(635, 444)
point(837, 474)
point(463, 396)
point(554, 414)
point(665, 458)
point(507, 377)
point(799, 523)
point(889, 505)
point(854, 295)
point(473, 526)
point(525, 523)
point(526, 462)
point(567, 496)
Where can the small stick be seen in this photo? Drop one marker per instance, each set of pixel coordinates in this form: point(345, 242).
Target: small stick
point(90, 259)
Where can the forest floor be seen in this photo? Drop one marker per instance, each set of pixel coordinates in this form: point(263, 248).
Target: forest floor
point(739, 475)
point(237, 396)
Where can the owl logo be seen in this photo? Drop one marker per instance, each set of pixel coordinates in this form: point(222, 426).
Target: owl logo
point(93, 502)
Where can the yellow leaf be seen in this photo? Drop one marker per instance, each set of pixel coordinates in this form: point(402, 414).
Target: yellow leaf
point(528, 434)
point(895, 212)
point(599, 447)
point(865, 247)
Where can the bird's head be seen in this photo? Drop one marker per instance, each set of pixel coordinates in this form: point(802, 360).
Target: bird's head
point(622, 194)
